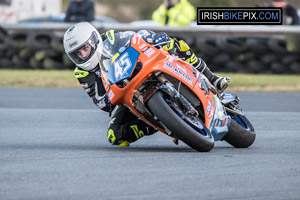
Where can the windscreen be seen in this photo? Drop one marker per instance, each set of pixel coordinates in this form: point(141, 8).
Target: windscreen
point(113, 47)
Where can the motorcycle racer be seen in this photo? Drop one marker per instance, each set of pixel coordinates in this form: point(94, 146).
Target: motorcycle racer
point(83, 44)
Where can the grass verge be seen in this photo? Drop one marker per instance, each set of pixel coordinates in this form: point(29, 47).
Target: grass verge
point(38, 78)
point(66, 79)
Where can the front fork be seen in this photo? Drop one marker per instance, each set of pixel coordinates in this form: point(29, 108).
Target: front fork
point(168, 88)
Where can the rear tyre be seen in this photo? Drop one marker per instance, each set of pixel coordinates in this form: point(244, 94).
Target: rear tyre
point(241, 133)
point(179, 124)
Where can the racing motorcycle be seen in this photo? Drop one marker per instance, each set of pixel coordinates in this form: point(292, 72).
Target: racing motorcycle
point(171, 95)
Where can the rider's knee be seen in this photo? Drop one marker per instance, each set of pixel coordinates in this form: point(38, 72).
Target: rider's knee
point(111, 136)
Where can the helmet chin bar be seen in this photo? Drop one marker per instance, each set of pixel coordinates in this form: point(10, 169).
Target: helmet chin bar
point(92, 63)
point(86, 65)
point(92, 43)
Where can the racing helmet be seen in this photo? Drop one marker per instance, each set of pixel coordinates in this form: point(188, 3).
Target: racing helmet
point(83, 36)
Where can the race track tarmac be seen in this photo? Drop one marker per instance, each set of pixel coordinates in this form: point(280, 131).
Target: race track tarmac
point(53, 146)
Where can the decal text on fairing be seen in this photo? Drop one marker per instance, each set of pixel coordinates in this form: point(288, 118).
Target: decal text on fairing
point(178, 73)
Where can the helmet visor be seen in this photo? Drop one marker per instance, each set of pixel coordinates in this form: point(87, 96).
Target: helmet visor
point(85, 51)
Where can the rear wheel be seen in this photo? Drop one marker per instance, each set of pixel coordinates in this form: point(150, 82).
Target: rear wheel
point(186, 128)
point(241, 133)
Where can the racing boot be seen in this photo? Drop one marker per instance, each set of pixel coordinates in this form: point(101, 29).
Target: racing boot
point(124, 144)
point(138, 135)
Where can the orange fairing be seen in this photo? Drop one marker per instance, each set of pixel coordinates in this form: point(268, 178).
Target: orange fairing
point(155, 60)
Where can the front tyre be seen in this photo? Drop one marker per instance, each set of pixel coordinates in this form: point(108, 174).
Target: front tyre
point(241, 133)
point(191, 132)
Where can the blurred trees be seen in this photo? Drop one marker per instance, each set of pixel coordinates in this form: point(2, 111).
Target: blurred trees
point(131, 10)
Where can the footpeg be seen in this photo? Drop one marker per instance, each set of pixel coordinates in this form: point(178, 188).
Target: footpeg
point(175, 140)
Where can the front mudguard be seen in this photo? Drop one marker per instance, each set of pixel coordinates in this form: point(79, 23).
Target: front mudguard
point(163, 88)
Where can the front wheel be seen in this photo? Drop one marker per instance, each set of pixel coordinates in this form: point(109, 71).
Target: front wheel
point(188, 129)
point(241, 133)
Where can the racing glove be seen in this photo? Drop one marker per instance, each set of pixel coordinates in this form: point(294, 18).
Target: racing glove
point(103, 102)
point(160, 39)
point(182, 50)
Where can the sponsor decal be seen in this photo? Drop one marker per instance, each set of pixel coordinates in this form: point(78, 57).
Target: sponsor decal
point(214, 101)
point(142, 46)
point(181, 68)
point(220, 119)
point(98, 73)
point(220, 123)
point(168, 65)
point(188, 79)
point(178, 73)
point(73, 44)
point(143, 50)
point(122, 49)
point(105, 85)
point(111, 95)
point(144, 33)
point(107, 89)
point(136, 39)
point(208, 109)
point(105, 82)
point(149, 52)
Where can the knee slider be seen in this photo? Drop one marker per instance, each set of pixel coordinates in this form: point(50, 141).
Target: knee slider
point(189, 54)
point(183, 46)
point(111, 136)
point(116, 137)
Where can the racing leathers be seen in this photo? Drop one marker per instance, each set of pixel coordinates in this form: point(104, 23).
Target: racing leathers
point(124, 127)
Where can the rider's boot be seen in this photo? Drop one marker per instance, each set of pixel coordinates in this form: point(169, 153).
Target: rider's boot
point(138, 134)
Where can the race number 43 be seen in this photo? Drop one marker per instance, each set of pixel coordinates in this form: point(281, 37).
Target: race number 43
point(122, 65)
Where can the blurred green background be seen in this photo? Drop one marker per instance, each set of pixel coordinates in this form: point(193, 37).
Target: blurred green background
point(132, 10)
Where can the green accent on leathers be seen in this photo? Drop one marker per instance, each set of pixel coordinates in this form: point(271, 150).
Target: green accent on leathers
point(136, 131)
point(111, 136)
point(111, 36)
point(80, 73)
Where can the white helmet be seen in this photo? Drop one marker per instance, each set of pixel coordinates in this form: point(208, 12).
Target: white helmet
point(77, 37)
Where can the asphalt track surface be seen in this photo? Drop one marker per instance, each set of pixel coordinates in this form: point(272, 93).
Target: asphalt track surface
point(53, 146)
